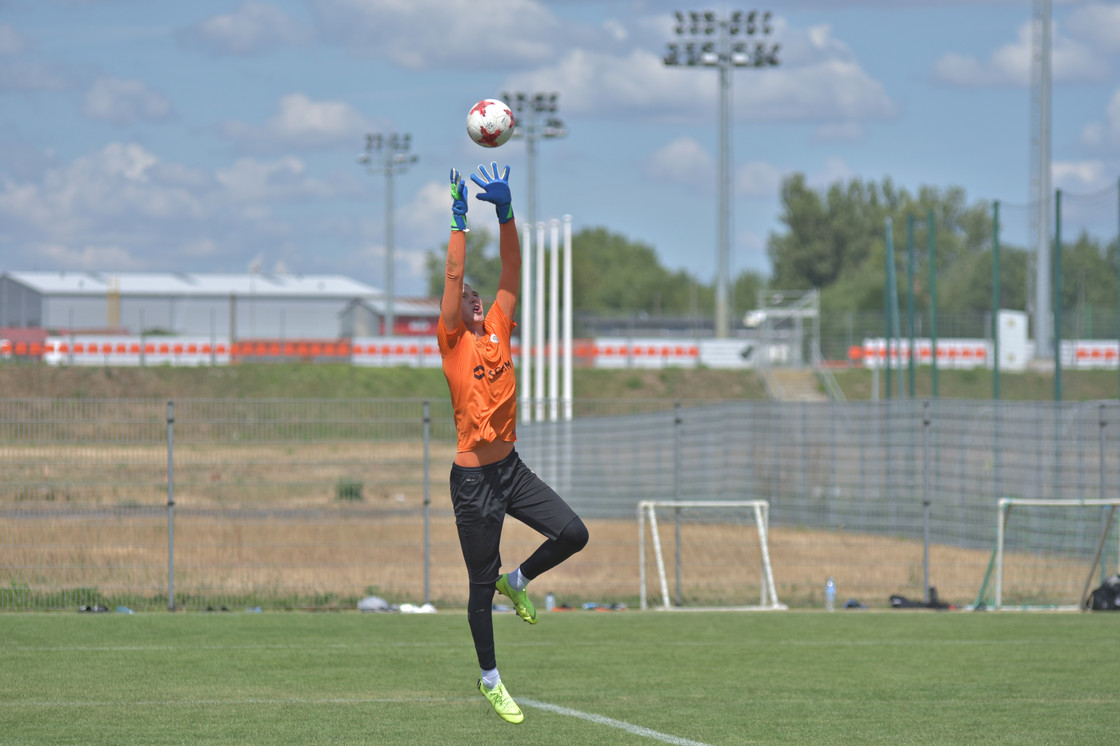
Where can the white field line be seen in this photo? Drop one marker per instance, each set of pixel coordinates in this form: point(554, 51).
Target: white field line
point(636, 730)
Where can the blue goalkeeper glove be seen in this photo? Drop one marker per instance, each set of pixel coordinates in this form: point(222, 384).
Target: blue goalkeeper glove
point(458, 202)
point(495, 189)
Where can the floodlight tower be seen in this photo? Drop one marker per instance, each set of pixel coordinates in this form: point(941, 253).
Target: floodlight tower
point(1041, 195)
point(534, 119)
point(388, 154)
point(714, 42)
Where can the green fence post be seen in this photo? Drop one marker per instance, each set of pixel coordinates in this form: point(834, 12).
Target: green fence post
point(910, 293)
point(1056, 295)
point(932, 296)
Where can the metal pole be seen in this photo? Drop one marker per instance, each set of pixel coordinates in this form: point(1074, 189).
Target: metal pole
point(725, 55)
point(724, 187)
point(527, 294)
point(395, 147)
point(910, 296)
point(677, 487)
point(995, 301)
point(926, 500)
point(554, 322)
point(170, 507)
point(531, 167)
point(1105, 516)
point(1056, 300)
point(390, 316)
point(677, 559)
point(538, 333)
point(567, 303)
point(1042, 172)
point(932, 251)
point(427, 503)
point(887, 274)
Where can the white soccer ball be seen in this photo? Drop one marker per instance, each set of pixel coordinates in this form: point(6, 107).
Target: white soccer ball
point(490, 123)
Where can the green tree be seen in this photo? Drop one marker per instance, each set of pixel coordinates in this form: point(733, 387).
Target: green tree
point(1089, 288)
point(611, 275)
point(836, 241)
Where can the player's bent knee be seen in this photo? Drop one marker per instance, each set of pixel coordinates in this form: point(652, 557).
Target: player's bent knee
point(574, 536)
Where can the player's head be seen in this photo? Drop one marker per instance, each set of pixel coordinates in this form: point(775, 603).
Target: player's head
point(474, 314)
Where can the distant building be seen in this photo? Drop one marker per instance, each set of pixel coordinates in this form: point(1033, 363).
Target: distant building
point(411, 317)
point(232, 306)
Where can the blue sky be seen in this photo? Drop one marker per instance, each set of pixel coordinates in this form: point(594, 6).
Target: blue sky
point(146, 135)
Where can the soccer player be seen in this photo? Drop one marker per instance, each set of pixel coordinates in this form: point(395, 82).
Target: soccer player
point(488, 478)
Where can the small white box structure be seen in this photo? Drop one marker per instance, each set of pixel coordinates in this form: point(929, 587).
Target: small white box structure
point(1014, 352)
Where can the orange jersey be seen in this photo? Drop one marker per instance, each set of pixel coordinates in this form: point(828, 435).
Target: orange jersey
point(480, 375)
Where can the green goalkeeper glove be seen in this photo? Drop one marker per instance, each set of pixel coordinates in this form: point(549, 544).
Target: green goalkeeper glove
point(458, 202)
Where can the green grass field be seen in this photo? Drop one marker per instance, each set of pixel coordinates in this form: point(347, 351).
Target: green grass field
point(582, 677)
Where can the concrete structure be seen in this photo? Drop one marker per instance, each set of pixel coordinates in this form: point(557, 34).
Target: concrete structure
point(232, 306)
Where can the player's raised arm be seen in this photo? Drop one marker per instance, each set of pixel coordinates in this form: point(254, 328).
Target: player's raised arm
point(451, 304)
point(495, 189)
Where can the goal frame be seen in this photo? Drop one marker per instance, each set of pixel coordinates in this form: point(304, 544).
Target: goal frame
point(647, 512)
point(1003, 512)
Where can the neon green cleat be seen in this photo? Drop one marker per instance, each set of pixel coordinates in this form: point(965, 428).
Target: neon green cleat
point(521, 602)
point(502, 703)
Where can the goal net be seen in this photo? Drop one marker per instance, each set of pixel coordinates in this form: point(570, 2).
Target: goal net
point(1050, 554)
point(705, 555)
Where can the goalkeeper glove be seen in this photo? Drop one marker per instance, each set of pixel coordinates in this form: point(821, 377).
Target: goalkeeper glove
point(458, 202)
point(495, 189)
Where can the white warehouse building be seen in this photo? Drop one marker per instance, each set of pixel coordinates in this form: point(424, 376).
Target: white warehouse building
point(232, 306)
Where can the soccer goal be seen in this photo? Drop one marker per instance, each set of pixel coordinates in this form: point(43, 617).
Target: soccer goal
point(1049, 554)
point(718, 553)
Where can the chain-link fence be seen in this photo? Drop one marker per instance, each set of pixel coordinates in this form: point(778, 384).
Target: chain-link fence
point(205, 504)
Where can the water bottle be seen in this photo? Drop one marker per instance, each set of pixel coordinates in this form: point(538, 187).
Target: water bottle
point(549, 602)
point(830, 595)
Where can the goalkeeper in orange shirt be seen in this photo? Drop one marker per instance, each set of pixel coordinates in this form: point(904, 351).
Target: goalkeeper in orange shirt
point(488, 478)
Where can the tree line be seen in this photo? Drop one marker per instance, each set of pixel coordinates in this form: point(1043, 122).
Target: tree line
point(834, 240)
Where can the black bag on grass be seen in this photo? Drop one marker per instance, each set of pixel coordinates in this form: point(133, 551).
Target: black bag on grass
point(1107, 597)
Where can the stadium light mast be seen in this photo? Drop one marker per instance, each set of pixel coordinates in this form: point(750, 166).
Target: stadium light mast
point(711, 41)
point(388, 154)
point(534, 119)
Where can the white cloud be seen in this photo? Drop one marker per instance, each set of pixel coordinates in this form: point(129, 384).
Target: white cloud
point(1010, 64)
point(683, 163)
point(818, 80)
point(123, 207)
point(125, 102)
point(1098, 24)
point(88, 257)
point(283, 180)
point(426, 34)
point(1104, 135)
point(1079, 175)
point(303, 123)
point(253, 28)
